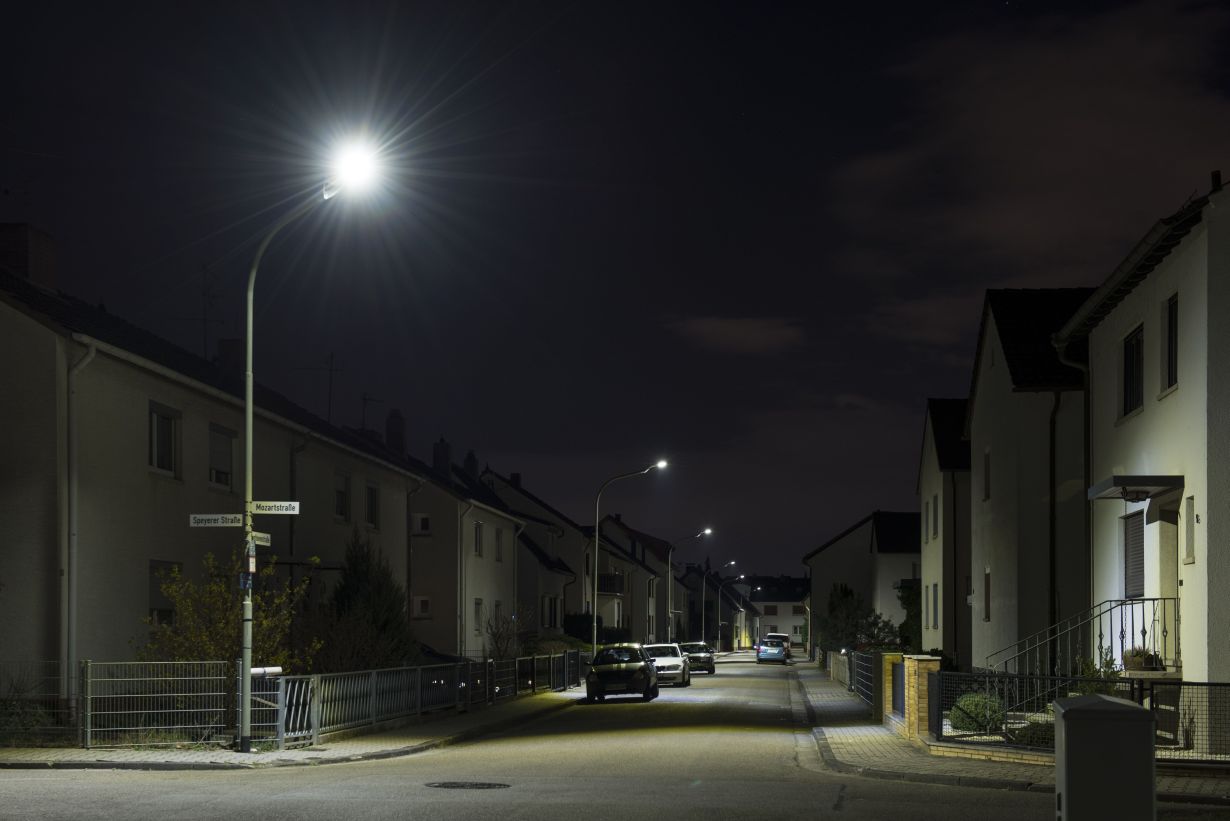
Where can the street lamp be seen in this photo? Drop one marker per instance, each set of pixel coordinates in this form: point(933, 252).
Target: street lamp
point(718, 606)
point(355, 167)
point(658, 465)
point(703, 584)
point(670, 584)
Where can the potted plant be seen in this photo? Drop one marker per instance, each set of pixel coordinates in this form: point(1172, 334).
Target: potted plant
point(1138, 658)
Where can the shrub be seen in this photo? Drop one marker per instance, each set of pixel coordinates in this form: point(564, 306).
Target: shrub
point(1040, 734)
point(978, 712)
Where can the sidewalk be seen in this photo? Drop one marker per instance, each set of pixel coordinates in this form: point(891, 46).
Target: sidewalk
point(850, 743)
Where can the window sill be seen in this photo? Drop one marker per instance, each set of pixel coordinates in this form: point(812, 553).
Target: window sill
point(1127, 417)
point(165, 474)
point(1167, 391)
point(226, 490)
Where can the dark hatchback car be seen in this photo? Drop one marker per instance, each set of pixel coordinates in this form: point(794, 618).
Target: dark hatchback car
point(621, 669)
point(700, 656)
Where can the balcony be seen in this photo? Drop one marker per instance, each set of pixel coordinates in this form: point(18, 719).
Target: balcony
point(611, 584)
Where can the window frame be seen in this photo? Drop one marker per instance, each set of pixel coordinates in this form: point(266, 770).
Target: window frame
point(216, 430)
point(1170, 344)
point(371, 506)
point(156, 448)
point(1132, 372)
point(343, 495)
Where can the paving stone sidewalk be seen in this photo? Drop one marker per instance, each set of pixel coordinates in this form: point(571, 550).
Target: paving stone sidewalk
point(849, 742)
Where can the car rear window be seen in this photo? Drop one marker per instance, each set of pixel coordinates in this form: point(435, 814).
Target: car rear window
point(772, 643)
point(662, 650)
point(616, 655)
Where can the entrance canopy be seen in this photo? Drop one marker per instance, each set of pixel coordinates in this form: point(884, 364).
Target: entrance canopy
point(1134, 488)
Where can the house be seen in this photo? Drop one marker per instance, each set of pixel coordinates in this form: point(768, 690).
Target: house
point(1025, 426)
point(783, 605)
point(654, 553)
point(631, 586)
point(943, 496)
point(548, 585)
point(873, 557)
point(1159, 455)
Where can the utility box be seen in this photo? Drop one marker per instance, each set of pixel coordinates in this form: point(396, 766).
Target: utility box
point(1103, 760)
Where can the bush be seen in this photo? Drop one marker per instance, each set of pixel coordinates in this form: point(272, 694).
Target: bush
point(1040, 734)
point(978, 712)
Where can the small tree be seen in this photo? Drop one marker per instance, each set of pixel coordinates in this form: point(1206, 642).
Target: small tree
point(839, 626)
point(910, 629)
point(505, 634)
point(208, 616)
point(366, 625)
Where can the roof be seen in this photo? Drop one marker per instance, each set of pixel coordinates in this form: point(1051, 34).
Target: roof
point(778, 588)
point(552, 563)
point(948, 431)
point(891, 532)
point(67, 315)
point(521, 489)
point(1025, 320)
point(1157, 243)
point(660, 547)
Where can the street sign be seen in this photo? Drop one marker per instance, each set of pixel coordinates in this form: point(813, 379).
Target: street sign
point(262, 539)
point(286, 508)
point(215, 520)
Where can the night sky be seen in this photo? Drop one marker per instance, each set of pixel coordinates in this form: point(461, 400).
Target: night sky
point(750, 237)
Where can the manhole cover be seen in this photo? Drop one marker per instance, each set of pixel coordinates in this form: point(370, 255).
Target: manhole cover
point(467, 785)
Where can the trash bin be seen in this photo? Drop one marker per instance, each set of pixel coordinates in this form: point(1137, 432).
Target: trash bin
point(1103, 760)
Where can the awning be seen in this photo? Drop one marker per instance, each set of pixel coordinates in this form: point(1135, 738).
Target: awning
point(1134, 488)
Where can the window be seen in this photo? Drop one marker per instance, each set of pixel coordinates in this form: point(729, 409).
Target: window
point(164, 438)
point(799, 610)
point(935, 515)
point(772, 628)
point(935, 604)
point(341, 496)
point(478, 538)
point(499, 545)
point(1134, 555)
point(371, 510)
point(926, 609)
point(797, 630)
point(986, 595)
point(422, 607)
point(1189, 530)
point(986, 475)
point(161, 608)
point(1170, 351)
point(478, 615)
point(1133, 370)
point(221, 456)
point(926, 520)
point(497, 611)
point(770, 610)
point(420, 525)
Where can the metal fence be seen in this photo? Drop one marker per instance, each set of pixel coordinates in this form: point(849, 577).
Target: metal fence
point(128, 704)
point(899, 688)
point(862, 678)
point(33, 710)
point(1192, 720)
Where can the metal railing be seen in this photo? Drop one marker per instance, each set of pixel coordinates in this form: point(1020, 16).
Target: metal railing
point(33, 709)
point(1114, 627)
point(127, 704)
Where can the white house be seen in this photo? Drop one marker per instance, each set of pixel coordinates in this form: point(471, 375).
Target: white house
point(783, 604)
point(1159, 386)
point(943, 498)
point(1025, 426)
point(872, 557)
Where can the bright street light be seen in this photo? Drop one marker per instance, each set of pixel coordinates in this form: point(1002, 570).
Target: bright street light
point(659, 465)
point(351, 167)
point(355, 169)
point(670, 584)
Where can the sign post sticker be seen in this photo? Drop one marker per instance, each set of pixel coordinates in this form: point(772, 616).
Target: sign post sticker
point(215, 520)
point(286, 508)
point(262, 539)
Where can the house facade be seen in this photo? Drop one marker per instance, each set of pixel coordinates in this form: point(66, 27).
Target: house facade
point(1160, 451)
point(783, 605)
point(943, 498)
point(1025, 426)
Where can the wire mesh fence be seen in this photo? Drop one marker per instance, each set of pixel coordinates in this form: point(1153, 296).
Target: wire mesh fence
point(127, 704)
point(35, 709)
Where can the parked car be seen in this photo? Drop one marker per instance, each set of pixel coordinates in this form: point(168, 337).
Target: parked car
point(700, 656)
point(783, 638)
point(621, 669)
point(671, 663)
point(771, 650)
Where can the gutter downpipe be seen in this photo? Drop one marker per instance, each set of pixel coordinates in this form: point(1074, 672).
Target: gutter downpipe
point(410, 549)
point(68, 678)
point(955, 618)
point(1053, 524)
point(461, 579)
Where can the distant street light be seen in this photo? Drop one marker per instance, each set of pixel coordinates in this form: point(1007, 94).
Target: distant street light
point(658, 465)
point(670, 584)
point(354, 169)
point(703, 584)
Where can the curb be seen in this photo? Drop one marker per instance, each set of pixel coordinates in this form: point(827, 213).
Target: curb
point(375, 755)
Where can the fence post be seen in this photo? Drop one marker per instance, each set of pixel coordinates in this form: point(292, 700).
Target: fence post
point(418, 701)
point(281, 716)
point(314, 707)
point(86, 705)
point(460, 687)
point(371, 698)
point(238, 698)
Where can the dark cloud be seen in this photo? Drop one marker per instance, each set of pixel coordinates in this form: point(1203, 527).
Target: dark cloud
point(746, 335)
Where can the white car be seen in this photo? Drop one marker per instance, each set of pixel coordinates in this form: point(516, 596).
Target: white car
point(671, 663)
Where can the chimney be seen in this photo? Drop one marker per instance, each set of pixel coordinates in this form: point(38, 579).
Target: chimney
point(442, 457)
point(470, 465)
point(28, 253)
point(514, 479)
point(395, 433)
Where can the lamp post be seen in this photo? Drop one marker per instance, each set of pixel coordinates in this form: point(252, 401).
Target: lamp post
point(718, 606)
point(704, 578)
point(658, 465)
point(353, 168)
point(670, 585)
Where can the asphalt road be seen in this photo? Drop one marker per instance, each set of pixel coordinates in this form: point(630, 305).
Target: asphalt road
point(726, 747)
